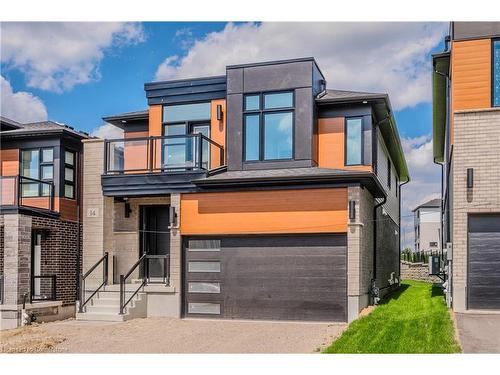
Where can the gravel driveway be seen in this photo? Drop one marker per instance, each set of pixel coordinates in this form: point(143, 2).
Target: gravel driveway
point(164, 335)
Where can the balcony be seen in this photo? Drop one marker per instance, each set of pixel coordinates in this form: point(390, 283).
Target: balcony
point(158, 165)
point(24, 192)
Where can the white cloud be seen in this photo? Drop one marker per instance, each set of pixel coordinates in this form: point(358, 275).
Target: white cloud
point(425, 182)
point(56, 56)
point(20, 106)
point(380, 57)
point(107, 131)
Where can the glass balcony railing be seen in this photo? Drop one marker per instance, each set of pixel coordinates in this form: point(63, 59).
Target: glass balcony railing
point(162, 154)
point(17, 191)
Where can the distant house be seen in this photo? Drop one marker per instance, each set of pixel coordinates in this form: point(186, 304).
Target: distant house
point(427, 219)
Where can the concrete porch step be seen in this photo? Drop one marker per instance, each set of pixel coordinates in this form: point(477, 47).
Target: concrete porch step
point(101, 316)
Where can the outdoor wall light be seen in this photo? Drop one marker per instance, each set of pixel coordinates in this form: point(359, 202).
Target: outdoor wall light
point(172, 217)
point(470, 178)
point(352, 210)
point(219, 112)
point(128, 210)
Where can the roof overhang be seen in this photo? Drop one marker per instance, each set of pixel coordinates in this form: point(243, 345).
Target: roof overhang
point(383, 113)
point(122, 120)
point(441, 69)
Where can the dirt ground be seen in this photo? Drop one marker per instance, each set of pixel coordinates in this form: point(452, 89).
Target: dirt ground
point(164, 335)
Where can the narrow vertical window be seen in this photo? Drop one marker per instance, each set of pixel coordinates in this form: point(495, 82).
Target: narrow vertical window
point(69, 174)
point(389, 170)
point(496, 73)
point(354, 141)
point(252, 137)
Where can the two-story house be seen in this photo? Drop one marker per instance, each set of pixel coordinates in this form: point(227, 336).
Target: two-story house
point(40, 175)
point(427, 224)
point(259, 194)
point(466, 87)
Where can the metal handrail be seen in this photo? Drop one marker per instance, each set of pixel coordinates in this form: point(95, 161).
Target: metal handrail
point(151, 157)
point(145, 279)
point(83, 301)
point(124, 303)
point(18, 182)
point(53, 288)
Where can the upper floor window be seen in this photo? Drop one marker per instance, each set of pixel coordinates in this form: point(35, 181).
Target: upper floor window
point(354, 141)
point(186, 112)
point(268, 126)
point(389, 173)
point(37, 164)
point(496, 73)
point(69, 174)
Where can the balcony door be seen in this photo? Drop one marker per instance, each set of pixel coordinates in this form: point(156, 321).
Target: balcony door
point(181, 152)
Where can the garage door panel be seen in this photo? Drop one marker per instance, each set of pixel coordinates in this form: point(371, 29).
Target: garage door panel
point(277, 277)
point(484, 262)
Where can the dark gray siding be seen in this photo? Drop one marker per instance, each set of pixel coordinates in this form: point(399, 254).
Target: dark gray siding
point(274, 277)
point(387, 258)
point(473, 30)
point(294, 75)
point(484, 262)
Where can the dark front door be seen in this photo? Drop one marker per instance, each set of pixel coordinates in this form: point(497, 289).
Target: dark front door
point(155, 239)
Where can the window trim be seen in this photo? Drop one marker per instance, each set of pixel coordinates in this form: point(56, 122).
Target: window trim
point(41, 164)
point(75, 178)
point(493, 40)
point(346, 120)
point(261, 112)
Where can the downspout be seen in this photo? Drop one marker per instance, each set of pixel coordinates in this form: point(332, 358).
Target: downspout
point(400, 237)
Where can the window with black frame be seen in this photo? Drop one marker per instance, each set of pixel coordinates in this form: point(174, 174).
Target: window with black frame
point(69, 174)
point(354, 141)
point(181, 150)
point(37, 164)
point(268, 126)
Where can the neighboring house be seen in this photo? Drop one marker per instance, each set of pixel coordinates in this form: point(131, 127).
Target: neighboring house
point(39, 237)
point(466, 84)
point(258, 194)
point(427, 219)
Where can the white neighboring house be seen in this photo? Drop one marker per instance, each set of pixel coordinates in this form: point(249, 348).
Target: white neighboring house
point(427, 219)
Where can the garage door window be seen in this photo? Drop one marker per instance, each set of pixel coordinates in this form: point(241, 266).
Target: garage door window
point(203, 308)
point(202, 287)
point(204, 266)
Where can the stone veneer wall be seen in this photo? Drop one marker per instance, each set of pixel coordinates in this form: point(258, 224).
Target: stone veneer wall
point(476, 145)
point(417, 271)
point(359, 251)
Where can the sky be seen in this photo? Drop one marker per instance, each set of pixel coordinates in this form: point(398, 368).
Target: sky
point(76, 73)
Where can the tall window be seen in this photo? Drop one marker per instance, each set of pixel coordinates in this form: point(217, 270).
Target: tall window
point(496, 73)
point(389, 173)
point(268, 126)
point(37, 164)
point(354, 141)
point(69, 174)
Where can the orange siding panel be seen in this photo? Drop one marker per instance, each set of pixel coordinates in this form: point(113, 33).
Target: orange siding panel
point(217, 132)
point(265, 212)
point(155, 119)
point(331, 145)
point(9, 160)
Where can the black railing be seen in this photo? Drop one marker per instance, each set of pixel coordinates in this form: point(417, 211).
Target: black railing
point(148, 276)
point(162, 154)
point(23, 191)
point(83, 277)
point(1, 288)
point(43, 288)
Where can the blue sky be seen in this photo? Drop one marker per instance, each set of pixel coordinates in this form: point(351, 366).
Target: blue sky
point(76, 73)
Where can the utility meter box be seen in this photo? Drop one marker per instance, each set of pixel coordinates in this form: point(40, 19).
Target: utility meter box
point(434, 265)
point(449, 251)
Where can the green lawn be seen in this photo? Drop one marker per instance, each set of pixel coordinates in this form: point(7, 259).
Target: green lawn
point(413, 319)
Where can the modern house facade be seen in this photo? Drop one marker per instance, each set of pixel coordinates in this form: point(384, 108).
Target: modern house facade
point(259, 194)
point(40, 240)
point(427, 224)
point(466, 84)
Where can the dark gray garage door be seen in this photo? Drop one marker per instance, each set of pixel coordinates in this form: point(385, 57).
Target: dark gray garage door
point(484, 262)
point(266, 277)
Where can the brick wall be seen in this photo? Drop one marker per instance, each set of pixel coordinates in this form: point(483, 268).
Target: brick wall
point(417, 271)
point(477, 145)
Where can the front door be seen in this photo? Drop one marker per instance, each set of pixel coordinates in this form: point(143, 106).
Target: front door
point(155, 240)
